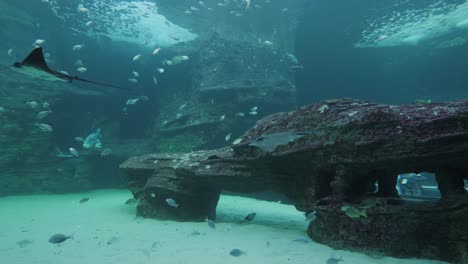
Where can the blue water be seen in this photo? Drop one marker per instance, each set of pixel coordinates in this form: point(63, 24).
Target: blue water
point(389, 52)
point(395, 75)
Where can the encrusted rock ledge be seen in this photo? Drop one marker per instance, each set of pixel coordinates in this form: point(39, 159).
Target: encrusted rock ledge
point(324, 156)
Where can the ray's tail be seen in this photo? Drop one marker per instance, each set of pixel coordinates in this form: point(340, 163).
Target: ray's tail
point(99, 83)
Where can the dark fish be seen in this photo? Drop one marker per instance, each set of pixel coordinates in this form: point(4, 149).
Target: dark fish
point(250, 217)
point(211, 223)
point(301, 240)
point(84, 200)
point(112, 240)
point(24, 243)
point(236, 252)
point(58, 238)
point(195, 233)
point(131, 201)
point(334, 260)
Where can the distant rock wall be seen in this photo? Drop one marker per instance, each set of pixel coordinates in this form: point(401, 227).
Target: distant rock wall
point(27, 158)
point(237, 64)
point(234, 83)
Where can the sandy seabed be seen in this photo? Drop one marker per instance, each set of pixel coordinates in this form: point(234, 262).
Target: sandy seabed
point(106, 231)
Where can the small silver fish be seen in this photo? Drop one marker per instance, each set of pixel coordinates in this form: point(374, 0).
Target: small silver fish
point(137, 57)
point(39, 42)
point(82, 69)
point(32, 104)
point(79, 139)
point(155, 81)
point(156, 51)
point(227, 137)
point(136, 74)
point(74, 152)
point(132, 101)
point(296, 68)
point(83, 9)
point(106, 152)
point(78, 47)
point(44, 127)
point(171, 202)
point(93, 140)
point(133, 80)
point(43, 114)
point(323, 108)
point(168, 62)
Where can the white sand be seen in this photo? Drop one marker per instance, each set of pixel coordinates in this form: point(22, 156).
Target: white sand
point(134, 240)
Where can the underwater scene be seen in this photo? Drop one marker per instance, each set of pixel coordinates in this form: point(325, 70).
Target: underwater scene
point(233, 131)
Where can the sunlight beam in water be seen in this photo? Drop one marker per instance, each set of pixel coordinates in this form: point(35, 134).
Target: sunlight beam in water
point(437, 23)
point(133, 22)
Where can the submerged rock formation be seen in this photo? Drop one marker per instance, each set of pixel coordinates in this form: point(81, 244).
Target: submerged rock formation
point(225, 78)
point(324, 156)
point(237, 63)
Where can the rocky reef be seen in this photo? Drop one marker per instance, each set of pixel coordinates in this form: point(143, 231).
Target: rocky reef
point(326, 156)
point(213, 102)
point(235, 64)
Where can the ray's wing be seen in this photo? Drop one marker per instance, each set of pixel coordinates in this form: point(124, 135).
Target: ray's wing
point(36, 59)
